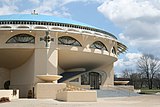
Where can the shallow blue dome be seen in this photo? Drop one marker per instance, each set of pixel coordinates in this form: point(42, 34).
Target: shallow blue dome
point(41, 18)
point(46, 18)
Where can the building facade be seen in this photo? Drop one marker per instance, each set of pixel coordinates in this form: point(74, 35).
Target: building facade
point(32, 45)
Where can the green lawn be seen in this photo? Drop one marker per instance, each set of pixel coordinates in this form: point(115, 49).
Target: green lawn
point(149, 91)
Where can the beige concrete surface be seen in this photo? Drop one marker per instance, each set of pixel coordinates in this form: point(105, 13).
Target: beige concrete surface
point(49, 78)
point(9, 94)
point(138, 101)
point(48, 90)
point(77, 96)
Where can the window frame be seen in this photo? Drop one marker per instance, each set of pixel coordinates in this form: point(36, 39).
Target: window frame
point(14, 39)
point(103, 47)
point(75, 43)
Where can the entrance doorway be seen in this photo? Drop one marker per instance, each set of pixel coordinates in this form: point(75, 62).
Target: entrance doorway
point(94, 79)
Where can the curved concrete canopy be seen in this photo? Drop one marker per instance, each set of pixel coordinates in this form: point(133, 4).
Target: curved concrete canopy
point(75, 59)
point(12, 58)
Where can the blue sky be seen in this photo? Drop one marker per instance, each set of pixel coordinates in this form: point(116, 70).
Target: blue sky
point(135, 23)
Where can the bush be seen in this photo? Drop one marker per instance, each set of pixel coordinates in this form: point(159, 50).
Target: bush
point(4, 99)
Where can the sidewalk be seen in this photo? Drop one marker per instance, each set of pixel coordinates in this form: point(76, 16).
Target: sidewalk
point(134, 101)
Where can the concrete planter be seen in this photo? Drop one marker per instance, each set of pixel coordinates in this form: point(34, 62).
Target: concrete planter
point(49, 78)
point(10, 94)
point(77, 96)
point(48, 90)
point(121, 82)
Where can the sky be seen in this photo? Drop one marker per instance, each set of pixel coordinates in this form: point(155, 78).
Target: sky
point(136, 23)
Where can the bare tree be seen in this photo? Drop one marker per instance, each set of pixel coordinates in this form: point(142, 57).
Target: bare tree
point(148, 66)
point(126, 73)
point(157, 81)
point(115, 76)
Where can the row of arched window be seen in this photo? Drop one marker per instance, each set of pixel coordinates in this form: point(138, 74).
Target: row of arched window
point(21, 38)
point(64, 40)
point(67, 40)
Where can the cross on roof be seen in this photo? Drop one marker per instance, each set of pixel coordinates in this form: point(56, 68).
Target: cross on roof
point(34, 12)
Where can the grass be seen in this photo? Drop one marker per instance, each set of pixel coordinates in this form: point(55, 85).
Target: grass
point(149, 91)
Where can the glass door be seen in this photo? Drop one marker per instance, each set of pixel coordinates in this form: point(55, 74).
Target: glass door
point(94, 80)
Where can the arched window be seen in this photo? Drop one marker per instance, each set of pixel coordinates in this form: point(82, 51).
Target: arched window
point(99, 45)
point(67, 40)
point(21, 38)
point(113, 50)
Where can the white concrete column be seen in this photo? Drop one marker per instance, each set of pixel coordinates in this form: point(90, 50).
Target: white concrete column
point(52, 61)
point(109, 70)
point(46, 59)
point(41, 60)
point(110, 75)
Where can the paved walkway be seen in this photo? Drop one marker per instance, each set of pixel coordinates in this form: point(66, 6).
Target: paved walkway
point(134, 101)
point(115, 93)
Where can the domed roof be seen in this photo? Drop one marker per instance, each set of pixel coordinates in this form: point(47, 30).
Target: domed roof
point(41, 18)
point(46, 18)
point(54, 19)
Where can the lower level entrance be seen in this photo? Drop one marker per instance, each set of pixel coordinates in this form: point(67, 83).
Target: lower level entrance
point(94, 79)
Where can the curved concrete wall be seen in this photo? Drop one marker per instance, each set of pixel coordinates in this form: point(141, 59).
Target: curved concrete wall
point(57, 58)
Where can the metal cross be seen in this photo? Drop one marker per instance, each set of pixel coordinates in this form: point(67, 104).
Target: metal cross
point(47, 39)
point(34, 12)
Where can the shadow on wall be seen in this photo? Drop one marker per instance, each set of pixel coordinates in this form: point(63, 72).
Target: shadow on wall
point(4, 76)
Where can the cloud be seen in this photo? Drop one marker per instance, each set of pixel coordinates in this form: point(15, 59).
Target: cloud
point(121, 11)
point(88, 1)
point(8, 7)
point(133, 56)
point(34, 1)
point(49, 7)
point(140, 21)
point(128, 61)
point(57, 7)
